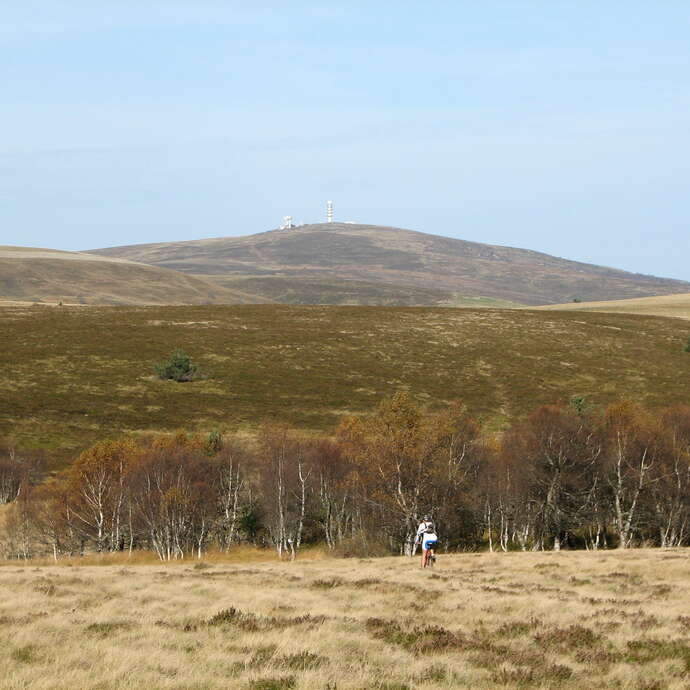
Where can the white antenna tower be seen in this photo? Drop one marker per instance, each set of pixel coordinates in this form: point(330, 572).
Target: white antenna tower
point(329, 211)
point(287, 223)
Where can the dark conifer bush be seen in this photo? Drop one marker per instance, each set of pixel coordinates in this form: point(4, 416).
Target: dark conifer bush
point(178, 367)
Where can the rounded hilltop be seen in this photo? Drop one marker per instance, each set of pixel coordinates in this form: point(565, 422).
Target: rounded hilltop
point(351, 262)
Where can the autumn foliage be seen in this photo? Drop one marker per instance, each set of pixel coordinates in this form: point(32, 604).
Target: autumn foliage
point(565, 476)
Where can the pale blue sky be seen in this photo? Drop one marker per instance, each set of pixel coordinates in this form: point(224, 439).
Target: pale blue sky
point(557, 126)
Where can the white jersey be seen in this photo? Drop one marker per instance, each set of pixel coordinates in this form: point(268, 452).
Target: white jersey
point(423, 525)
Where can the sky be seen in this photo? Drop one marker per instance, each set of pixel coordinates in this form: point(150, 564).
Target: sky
point(554, 125)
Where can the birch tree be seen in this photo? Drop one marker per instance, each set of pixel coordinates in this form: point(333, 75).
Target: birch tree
point(671, 485)
point(96, 492)
point(631, 444)
point(285, 480)
point(394, 451)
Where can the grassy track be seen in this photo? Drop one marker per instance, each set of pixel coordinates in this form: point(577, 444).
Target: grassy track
point(529, 620)
point(74, 375)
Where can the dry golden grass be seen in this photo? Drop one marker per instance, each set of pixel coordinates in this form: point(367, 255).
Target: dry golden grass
point(570, 619)
point(663, 305)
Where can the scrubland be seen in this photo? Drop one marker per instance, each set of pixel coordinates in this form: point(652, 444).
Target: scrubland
point(561, 619)
point(74, 376)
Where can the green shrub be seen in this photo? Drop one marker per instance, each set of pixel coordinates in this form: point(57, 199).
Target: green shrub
point(178, 367)
point(687, 346)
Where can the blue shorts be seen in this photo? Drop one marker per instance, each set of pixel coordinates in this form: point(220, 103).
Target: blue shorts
point(428, 546)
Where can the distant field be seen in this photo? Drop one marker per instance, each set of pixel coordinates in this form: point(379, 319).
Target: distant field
point(594, 620)
point(664, 305)
point(74, 375)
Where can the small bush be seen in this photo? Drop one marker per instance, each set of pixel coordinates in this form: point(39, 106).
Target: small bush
point(687, 346)
point(25, 655)
point(304, 661)
point(565, 639)
point(107, 628)
point(231, 616)
point(250, 622)
point(517, 628)
point(273, 683)
point(648, 650)
point(178, 367)
point(330, 583)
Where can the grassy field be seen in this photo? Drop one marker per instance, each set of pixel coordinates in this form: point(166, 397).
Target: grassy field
point(534, 620)
point(75, 375)
point(664, 305)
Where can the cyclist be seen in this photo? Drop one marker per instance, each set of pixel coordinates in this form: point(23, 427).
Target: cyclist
point(422, 528)
point(420, 532)
point(429, 543)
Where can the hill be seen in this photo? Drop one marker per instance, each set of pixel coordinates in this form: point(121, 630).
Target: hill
point(397, 258)
point(46, 275)
point(666, 305)
point(72, 376)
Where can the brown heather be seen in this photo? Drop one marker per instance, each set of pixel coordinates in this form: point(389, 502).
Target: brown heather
point(475, 621)
point(73, 376)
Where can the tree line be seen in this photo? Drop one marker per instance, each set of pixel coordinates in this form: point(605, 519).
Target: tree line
point(564, 477)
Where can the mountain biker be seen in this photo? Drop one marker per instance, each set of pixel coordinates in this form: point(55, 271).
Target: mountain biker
point(429, 543)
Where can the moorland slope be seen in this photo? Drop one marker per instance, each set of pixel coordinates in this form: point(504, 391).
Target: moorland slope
point(358, 257)
point(664, 305)
point(75, 375)
point(46, 275)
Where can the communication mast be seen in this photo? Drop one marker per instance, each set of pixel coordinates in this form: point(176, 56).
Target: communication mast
point(287, 223)
point(329, 211)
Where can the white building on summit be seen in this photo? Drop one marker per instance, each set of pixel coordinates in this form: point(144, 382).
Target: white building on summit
point(289, 224)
